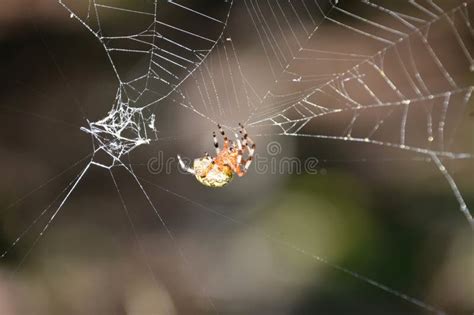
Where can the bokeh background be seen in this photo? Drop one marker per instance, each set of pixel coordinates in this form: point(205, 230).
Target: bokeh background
point(253, 247)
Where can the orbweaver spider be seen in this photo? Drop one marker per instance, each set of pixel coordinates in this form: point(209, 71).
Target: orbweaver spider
point(218, 171)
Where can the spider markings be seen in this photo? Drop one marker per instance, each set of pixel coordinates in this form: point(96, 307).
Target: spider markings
point(218, 171)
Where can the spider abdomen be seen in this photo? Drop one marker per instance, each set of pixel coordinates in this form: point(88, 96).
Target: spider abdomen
point(210, 174)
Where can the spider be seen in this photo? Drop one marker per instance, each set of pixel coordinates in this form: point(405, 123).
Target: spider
point(218, 171)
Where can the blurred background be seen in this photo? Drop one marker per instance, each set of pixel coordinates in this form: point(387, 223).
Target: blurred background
point(268, 243)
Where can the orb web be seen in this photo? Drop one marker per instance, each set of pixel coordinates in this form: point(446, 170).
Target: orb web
point(392, 73)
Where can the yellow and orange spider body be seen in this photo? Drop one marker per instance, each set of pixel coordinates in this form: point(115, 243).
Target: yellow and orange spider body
point(210, 175)
point(218, 171)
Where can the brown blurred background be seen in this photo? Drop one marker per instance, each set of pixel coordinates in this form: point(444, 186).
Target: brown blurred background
point(380, 212)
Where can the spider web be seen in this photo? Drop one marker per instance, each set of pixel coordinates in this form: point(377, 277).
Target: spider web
point(370, 86)
point(392, 75)
point(168, 54)
point(399, 78)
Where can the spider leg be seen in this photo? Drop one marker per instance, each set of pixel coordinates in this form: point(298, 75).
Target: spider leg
point(216, 143)
point(237, 166)
point(251, 154)
point(247, 163)
point(237, 170)
point(249, 145)
point(240, 150)
point(239, 143)
point(245, 137)
point(209, 168)
point(226, 140)
point(185, 167)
